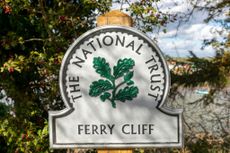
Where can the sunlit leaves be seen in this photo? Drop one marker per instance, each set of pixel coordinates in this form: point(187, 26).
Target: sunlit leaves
point(148, 16)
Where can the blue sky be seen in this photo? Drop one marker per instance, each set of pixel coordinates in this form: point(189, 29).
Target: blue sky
point(189, 36)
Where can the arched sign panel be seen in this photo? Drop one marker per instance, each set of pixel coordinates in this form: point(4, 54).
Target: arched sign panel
point(114, 81)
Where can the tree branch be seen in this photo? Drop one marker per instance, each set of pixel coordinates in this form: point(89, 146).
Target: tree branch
point(34, 39)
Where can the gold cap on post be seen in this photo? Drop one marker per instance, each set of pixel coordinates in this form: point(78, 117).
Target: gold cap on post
point(115, 17)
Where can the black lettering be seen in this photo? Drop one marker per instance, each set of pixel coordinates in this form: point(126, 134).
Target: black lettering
point(79, 61)
point(144, 128)
point(131, 44)
point(99, 43)
point(123, 129)
point(111, 128)
point(152, 59)
point(91, 44)
point(137, 51)
point(94, 129)
point(73, 79)
point(74, 98)
point(119, 40)
point(154, 88)
point(85, 52)
point(80, 128)
point(132, 129)
point(87, 130)
point(153, 67)
point(152, 78)
point(139, 129)
point(151, 128)
point(155, 81)
point(154, 96)
point(108, 43)
point(74, 88)
point(103, 127)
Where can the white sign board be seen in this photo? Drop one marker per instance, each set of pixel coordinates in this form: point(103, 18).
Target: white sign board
point(114, 81)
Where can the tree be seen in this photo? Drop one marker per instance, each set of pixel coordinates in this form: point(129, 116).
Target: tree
point(207, 119)
point(34, 36)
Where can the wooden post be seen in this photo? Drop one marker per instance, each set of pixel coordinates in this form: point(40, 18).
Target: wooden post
point(115, 17)
point(115, 150)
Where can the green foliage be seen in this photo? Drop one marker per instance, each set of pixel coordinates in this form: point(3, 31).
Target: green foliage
point(34, 36)
point(147, 15)
point(29, 138)
point(123, 66)
point(208, 71)
point(212, 71)
point(128, 76)
point(4, 110)
point(105, 96)
point(102, 67)
point(128, 93)
point(101, 87)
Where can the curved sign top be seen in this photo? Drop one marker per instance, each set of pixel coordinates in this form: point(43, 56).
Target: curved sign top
point(114, 81)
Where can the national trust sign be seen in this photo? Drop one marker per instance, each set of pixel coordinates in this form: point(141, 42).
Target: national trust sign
point(114, 81)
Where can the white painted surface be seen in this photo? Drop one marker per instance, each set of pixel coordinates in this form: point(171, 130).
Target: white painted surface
point(91, 110)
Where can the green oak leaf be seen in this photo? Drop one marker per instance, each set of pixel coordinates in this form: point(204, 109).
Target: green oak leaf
point(130, 82)
point(107, 89)
point(102, 67)
point(100, 86)
point(128, 76)
point(123, 66)
point(128, 93)
point(105, 96)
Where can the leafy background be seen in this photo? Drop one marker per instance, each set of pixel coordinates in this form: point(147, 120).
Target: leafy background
point(34, 35)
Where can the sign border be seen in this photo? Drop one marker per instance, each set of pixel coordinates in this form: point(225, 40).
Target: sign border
point(69, 107)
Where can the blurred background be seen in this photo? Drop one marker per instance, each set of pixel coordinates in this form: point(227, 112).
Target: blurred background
point(193, 35)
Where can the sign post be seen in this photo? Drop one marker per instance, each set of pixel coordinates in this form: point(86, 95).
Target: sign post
point(114, 81)
point(115, 18)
